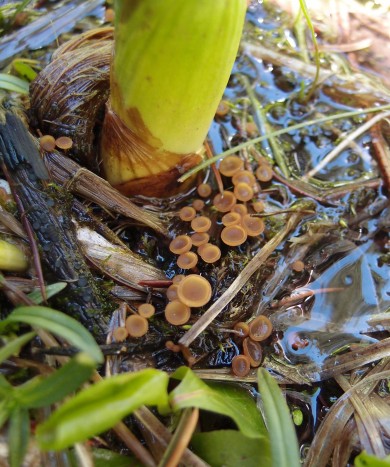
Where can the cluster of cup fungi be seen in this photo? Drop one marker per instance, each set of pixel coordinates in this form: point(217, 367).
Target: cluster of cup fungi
point(239, 221)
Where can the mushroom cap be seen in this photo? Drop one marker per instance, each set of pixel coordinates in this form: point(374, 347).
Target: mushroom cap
point(241, 365)
point(187, 213)
point(244, 176)
point(180, 244)
point(194, 291)
point(64, 142)
point(170, 345)
point(178, 278)
point(146, 310)
point(204, 190)
point(253, 351)
point(231, 218)
point(233, 235)
point(198, 204)
point(210, 253)
point(222, 109)
point(243, 191)
point(258, 206)
point(120, 334)
point(240, 208)
point(242, 328)
point(230, 165)
point(298, 265)
point(47, 143)
point(171, 292)
point(264, 173)
point(224, 201)
point(177, 313)
point(253, 225)
point(260, 328)
point(187, 260)
point(200, 238)
point(137, 326)
point(201, 224)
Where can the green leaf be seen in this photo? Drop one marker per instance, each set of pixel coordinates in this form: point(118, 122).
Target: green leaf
point(106, 458)
point(24, 69)
point(99, 407)
point(42, 392)
point(222, 398)
point(284, 443)
point(367, 460)
point(60, 324)
point(18, 435)
point(13, 347)
point(13, 83)
point(4, 412)
point(51, 290)
point(229, 448)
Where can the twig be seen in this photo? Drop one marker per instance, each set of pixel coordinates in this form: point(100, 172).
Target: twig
point(239, 282)
point(216, 172)
point(382, 153)
point(345, 143)
point(181, 438)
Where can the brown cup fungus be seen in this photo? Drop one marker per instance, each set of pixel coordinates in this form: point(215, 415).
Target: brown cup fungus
point(172, 292)
point(240, 209)
point(146, 310)
point(258, 206)
point(198, 204)
point(210, 253)
point(120, 334)
point(181, 244)
point(137, 326)
point(187, 260)
point(260, 328)
point(233, 235)
point(253, 351)
point(243, 192)
point(298, 266)
point(224, 202)
point(64, 143)
point(194, 291)
point(170, 345)
point(187, 213)
point(231, 218)
point(200, 238)
point(201, 224)
point(241, 365)
point(177, 313)
point(47, 143)
point(264, 173)
point(178, 278)
point(230, 165)
point(244, 176)
point(204, 190)
point(253, 225)
point(222, 109)
point(202, 247)
point(242, 328)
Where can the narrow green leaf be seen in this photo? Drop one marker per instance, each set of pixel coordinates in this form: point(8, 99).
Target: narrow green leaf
point(5, 411)
point(60, 324)
point(24, 69)
point(106, 458)
point(368, 460)
point(51, 290)
point(99, 407)
point(284, 444)
point(225, 399)
point(42, 392)
point(230, 448)
point(18, 435)
point(5, 387)
point(13, 83)
point(13, 347)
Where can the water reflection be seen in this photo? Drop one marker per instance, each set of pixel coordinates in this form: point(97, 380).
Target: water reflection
point(333, 319)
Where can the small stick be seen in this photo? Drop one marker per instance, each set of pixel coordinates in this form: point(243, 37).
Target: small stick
point(181, 438)
point(207, 318)
point(217, 175)
point(382, 153)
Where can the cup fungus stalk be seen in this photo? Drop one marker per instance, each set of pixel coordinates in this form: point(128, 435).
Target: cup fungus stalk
point(172, 60)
